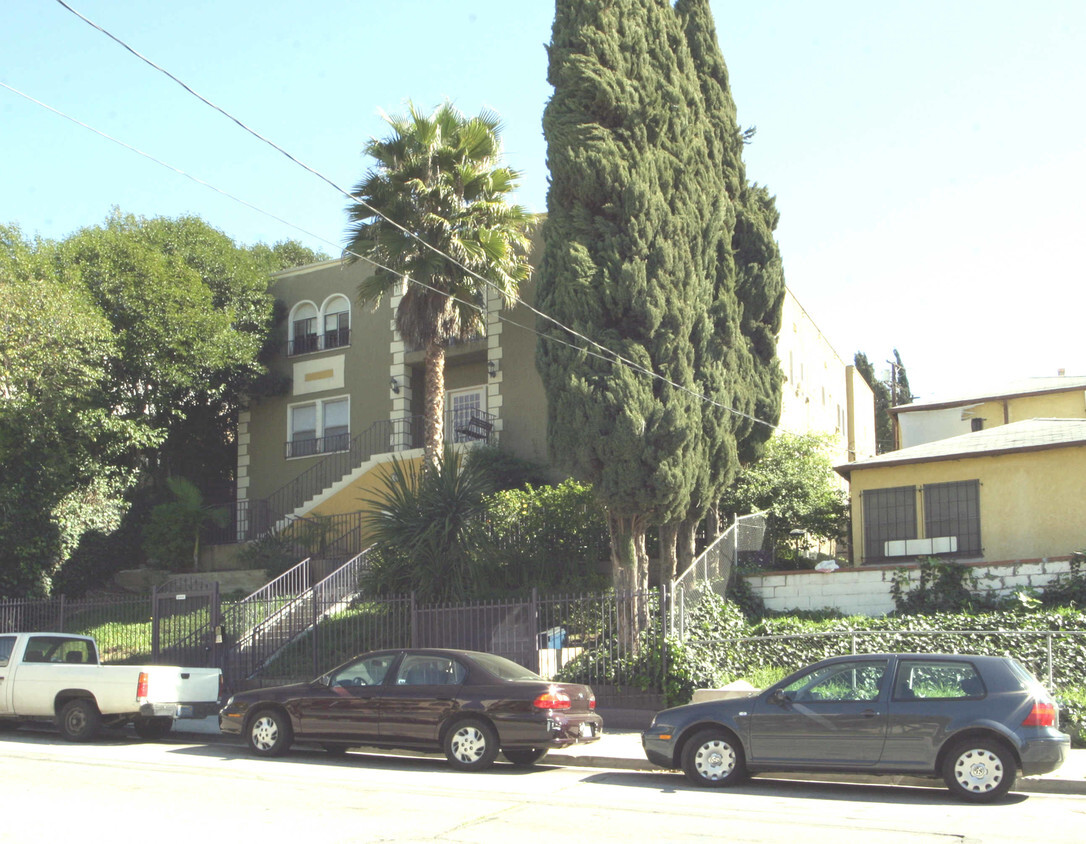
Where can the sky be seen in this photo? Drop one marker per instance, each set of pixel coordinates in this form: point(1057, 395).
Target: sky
point(928, 158)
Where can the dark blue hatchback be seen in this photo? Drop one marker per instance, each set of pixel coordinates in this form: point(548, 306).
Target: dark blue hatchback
point(973, 720)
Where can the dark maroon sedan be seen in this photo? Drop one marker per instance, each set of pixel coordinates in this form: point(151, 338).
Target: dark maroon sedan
point(467, 704)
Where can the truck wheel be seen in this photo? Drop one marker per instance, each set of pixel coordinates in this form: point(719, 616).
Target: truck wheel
point(270, 733)
point(79, 720)
point(153, 729)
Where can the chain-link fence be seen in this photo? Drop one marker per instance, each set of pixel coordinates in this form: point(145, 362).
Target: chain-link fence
point(745, 535)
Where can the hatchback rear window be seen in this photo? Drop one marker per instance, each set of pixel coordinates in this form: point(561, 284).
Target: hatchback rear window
point(921, 679)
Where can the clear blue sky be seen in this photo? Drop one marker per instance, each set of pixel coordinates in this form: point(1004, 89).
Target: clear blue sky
point(928, 157)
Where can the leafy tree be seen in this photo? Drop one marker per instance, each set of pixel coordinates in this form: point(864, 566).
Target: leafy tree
point(794, 481)
point(60, 447)
point(889, 392)
point(427, 526)
point(171, 536)
point(125, 350)
point(547, 537)
point(439, 177)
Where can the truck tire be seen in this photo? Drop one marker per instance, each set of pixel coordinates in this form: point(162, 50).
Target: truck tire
point(79, 719)
point(152, 729)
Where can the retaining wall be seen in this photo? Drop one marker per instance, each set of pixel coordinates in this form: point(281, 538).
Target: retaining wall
point(865, 590)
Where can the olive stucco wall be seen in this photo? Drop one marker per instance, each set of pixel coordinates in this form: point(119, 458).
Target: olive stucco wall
point(1032, 503)
point(359, 370)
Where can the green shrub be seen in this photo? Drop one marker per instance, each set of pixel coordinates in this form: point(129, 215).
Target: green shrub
point(943, 586)
point(1069, 590)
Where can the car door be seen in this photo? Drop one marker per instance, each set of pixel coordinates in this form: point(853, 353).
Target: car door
point(930, 695)
point(832, 715)
point(345, 705)
point(423, 693)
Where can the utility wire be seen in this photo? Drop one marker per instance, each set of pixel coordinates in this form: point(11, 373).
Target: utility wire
point(605, 353)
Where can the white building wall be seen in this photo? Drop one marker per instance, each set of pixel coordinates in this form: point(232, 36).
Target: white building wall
point(866, 591)
point(926, 426)
point(815, 397)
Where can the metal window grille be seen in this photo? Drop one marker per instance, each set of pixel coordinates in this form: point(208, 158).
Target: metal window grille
point(953, 509)
point(889, 514)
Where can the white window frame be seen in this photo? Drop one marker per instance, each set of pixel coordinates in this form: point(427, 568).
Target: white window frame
point(456, 417)
point(319, 405)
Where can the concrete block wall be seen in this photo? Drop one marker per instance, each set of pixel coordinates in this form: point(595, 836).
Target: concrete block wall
point(866, 590)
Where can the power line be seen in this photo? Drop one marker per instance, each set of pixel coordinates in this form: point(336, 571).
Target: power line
point(605, 353)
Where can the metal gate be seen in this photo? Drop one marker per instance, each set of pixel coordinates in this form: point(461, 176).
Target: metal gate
point(186, 623)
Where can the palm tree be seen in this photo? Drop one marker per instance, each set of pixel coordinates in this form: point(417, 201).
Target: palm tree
point(439, 177)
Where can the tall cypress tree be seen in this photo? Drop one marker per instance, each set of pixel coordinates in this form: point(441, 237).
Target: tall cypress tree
point(740, 365)
point(622, 265)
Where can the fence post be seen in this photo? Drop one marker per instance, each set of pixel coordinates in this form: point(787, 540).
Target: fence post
point(536, 626)
point(735, 551)
point(313, 604)
point(1048, 636)
point(853, 638)
point(414, 618)
point(60, 626)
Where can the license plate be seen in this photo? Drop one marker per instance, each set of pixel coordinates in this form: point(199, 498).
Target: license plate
point(183, 712)
point(588, 730)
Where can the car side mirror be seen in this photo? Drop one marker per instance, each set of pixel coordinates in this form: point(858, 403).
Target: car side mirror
point(326, 680)
point(779, 697)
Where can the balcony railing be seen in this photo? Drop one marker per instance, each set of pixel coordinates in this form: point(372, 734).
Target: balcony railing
point(304, 344)
point(317, 445)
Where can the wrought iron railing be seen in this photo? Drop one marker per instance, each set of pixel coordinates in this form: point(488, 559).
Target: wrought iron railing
point(255, 517)
point(304, 344)
point(287, 616)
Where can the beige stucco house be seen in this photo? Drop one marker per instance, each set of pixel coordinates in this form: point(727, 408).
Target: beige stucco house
point(1007, 493)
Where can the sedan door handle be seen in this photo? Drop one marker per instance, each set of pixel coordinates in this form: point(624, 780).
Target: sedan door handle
point(870, 713)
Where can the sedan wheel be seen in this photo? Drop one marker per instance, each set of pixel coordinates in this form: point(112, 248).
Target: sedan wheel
point(979, 770)
point(713, 758)
point(270, 733)
point(471, 745)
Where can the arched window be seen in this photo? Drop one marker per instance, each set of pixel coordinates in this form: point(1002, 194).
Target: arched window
point(337, 322)
point(303, 329)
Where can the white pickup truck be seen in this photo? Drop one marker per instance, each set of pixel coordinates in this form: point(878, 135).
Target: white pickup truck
point(57, 677)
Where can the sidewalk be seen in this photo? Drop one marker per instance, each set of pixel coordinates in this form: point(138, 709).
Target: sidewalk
point(621, 749)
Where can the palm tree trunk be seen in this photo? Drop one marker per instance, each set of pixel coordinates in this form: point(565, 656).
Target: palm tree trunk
point(434, 437)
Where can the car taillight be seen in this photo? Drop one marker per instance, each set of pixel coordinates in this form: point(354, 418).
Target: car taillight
point(141, 685)
point(591, 701)
point(1042, 715)
point(553, 699)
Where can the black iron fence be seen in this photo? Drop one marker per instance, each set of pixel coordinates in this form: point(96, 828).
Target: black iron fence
point(291, 630)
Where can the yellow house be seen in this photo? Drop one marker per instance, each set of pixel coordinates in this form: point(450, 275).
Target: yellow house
point(1059, 397)
point(1012, 492)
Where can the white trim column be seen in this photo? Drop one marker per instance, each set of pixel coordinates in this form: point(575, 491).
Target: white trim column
point(399, 381)
point(494, 361)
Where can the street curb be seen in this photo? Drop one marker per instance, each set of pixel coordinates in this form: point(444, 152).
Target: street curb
point(1028, 785)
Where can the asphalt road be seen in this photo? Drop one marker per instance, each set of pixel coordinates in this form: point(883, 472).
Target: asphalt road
point(185, 790)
